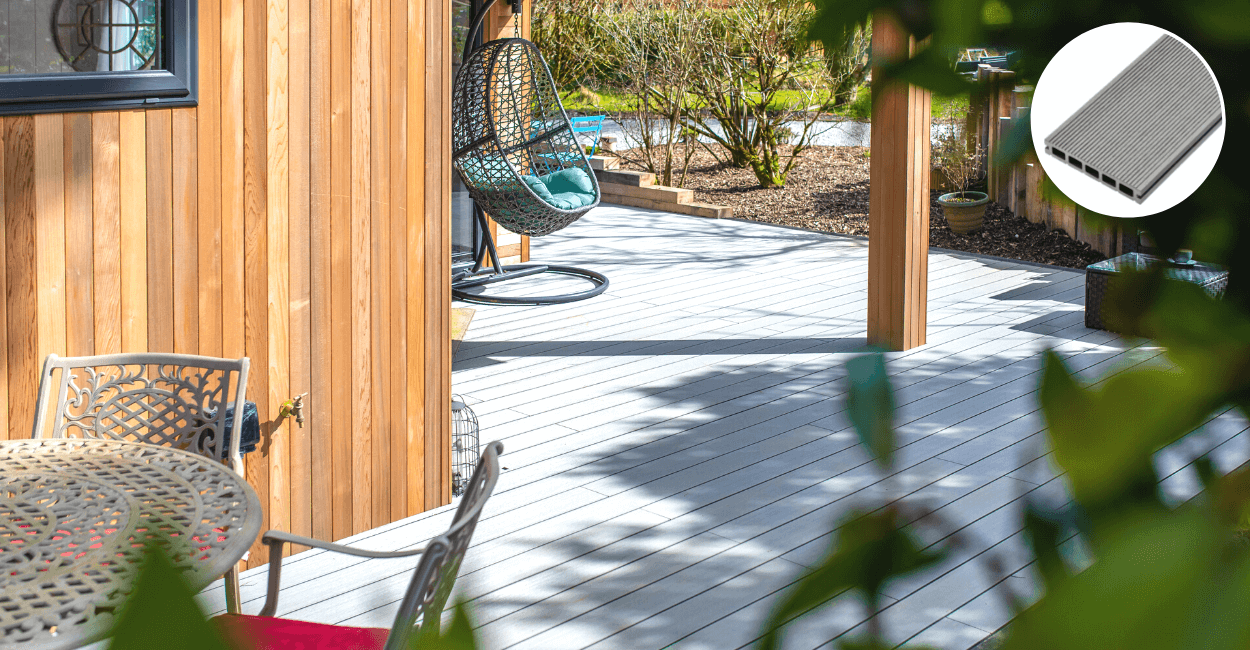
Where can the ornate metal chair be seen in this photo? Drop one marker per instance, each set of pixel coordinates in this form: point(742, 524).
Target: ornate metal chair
point(420, 611)
point(170, 400)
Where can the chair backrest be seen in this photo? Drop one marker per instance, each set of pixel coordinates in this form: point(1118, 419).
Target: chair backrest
point(421, 610)
point(173, 400)
point(589, 124)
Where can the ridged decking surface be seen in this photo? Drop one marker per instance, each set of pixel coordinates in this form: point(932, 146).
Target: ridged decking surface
point(677, 448)
point(1131, 134)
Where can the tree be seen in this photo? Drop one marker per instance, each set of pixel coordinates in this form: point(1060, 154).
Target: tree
point(571, 36)
point(848, 63)
point(757, 75)
point(651, 51)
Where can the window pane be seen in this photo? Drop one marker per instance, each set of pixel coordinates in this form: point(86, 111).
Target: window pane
point(67, 36)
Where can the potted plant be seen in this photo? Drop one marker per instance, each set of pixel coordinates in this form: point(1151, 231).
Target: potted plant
point(959, 156)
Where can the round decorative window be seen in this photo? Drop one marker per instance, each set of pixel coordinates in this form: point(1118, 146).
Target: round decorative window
point(108, 35)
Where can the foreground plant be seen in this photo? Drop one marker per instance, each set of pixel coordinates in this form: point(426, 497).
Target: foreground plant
point(161, 613)
point(1158, 575)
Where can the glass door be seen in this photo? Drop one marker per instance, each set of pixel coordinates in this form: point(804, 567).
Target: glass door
point(464, 229)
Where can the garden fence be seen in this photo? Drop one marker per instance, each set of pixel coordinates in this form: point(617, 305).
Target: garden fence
point(996, 105)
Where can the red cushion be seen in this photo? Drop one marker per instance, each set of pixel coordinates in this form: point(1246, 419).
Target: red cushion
point(268, 633)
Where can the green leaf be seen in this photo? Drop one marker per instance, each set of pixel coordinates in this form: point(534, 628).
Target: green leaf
point(929, 69)
point(161, 612)
point(458, 637)
point(1044, 529)
point(870, 405)
point(953, 26)
point(1104, 437)
point(1164, 580)
point(996, 13)
point(1220, 20)
point(865, 552)
point(1015, 143)
point(833, 18)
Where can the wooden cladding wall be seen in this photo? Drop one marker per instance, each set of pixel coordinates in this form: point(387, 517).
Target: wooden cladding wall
point(297, 216)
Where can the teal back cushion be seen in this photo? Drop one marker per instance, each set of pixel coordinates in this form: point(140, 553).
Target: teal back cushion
point(537, 184)
point(571, 180)
point(567, 189)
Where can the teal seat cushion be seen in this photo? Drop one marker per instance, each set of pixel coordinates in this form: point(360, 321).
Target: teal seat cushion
point(567, 189)
point(573, 200)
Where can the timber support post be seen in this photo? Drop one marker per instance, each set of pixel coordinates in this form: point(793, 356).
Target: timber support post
point(898, 213)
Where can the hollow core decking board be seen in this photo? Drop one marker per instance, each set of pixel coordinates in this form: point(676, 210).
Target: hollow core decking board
point(1139, 127)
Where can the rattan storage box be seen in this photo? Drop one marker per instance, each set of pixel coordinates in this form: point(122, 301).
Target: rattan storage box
point(1101, 275)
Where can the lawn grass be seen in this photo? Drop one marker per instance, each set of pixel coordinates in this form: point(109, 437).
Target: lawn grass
point(610, 102)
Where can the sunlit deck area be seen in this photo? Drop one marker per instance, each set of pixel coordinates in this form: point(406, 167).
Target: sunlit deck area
point(677, 449)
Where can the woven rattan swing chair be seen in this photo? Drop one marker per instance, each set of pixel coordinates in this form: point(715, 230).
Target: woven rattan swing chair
point(515, 150)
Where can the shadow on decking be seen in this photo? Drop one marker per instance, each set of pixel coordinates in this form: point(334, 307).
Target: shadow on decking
point(657, 347)
point(1024, 291)
point(732, 477)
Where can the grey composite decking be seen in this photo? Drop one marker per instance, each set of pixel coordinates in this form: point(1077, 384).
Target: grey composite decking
point(677, 448)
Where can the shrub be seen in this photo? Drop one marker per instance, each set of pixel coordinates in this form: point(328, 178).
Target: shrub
point(959, 157)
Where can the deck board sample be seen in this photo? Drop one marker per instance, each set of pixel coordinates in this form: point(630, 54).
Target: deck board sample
point(1139, 127)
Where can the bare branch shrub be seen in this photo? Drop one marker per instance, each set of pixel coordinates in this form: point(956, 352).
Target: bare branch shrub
point(571, 36)
point(756, 74)
point(848, 64)
point(651, 47)
point(959, 158)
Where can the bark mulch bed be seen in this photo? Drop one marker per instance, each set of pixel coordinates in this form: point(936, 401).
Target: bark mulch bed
point(828, 192)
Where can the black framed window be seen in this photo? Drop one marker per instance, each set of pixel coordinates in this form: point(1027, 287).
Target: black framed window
point(77, 55)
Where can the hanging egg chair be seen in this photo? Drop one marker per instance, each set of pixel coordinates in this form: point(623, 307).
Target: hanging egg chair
point(516, 152)
point(513, 145)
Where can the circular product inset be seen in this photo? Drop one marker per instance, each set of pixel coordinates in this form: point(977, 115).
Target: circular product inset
point(1127, 120)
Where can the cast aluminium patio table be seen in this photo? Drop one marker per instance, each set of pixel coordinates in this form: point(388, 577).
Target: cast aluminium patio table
point(74, 517)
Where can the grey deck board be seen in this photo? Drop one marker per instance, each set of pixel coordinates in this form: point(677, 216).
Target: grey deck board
point(678, 447)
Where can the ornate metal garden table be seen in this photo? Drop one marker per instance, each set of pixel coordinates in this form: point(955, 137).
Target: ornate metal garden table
point(75, 515)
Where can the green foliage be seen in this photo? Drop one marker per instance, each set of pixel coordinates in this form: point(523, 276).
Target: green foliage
point(1161, 575)
point(1162, 580)
point(848, 64)
point(161, 612)
point(870, 406)
point(572, 36)
point(458, 637)
point(869, 550)
point(866, 549)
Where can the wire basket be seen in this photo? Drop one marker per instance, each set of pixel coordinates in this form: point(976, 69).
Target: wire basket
point(465, 448)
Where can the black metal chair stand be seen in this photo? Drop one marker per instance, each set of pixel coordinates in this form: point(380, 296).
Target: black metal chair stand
point(482, 275)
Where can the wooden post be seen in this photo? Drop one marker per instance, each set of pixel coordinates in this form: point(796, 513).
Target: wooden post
point(1000, 191)
point(898, 212)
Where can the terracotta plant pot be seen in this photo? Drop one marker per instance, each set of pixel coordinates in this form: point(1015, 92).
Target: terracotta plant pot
point(963, 215)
